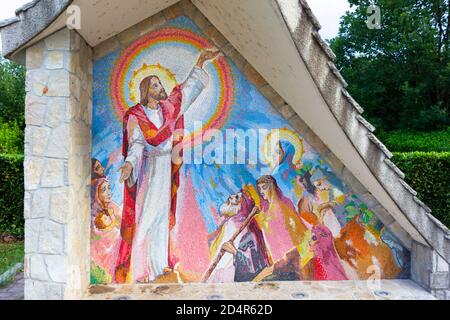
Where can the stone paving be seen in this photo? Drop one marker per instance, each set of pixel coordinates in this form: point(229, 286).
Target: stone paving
point(15, 291)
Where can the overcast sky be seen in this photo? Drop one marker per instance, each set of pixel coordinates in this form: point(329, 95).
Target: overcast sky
point(327, 11)
point(7, 7)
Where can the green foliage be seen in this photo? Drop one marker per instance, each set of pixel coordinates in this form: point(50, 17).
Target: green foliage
point(11, 195)
point(429, 174)
point(12, 92)
point(352, 210)
point(11, 138)
point(306, 168)
point(400, 73)
point(366, 214)
point(99, 276)
point(12, 101)
point(407, 141)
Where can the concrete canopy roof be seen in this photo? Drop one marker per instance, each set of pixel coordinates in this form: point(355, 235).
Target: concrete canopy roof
point(280, 39)
point(30, 20)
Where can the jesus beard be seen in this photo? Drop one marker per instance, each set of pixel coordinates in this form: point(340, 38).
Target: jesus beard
point(161, 96)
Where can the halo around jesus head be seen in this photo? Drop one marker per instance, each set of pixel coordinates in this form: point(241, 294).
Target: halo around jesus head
point(167, 78)
point(137, 62)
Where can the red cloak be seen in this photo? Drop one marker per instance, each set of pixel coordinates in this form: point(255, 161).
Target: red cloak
point(171, 109)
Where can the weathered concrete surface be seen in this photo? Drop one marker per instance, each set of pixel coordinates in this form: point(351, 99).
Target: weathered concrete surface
point(311, 290)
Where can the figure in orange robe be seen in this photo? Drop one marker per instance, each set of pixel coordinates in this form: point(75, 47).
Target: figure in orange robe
point(279, 221)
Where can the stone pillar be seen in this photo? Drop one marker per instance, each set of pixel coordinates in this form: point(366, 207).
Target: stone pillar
point(430, 271)
point(58, 115)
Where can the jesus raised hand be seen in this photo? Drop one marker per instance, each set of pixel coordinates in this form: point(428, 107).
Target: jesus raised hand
point(207, 55)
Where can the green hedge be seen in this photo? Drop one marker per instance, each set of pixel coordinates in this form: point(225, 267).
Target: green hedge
point(429, 174)
point(403, 141)
point(11, 195)
point(11, 138)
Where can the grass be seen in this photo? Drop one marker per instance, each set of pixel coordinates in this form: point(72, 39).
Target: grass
point(10, 255)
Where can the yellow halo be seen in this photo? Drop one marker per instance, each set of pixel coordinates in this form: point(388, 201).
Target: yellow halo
point(272, 147)
point(167, 77)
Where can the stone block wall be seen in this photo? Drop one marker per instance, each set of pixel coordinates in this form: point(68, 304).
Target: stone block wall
point(431, 271)
point(58, 115)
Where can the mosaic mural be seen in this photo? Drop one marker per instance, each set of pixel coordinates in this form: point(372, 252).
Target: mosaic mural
point(173, 200)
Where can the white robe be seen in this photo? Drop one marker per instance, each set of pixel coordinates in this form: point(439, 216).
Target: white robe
point(152, 171)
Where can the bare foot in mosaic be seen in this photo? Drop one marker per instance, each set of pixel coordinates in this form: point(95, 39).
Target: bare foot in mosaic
point(144, 280)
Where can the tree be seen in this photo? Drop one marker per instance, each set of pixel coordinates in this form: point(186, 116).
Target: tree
point(400, 73)
point(12, 107)
point(12, 92)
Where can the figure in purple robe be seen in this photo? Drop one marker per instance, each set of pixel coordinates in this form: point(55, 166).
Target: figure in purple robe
point(247, 253)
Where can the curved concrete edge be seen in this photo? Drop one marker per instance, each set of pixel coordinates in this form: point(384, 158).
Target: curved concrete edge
point(12, 272)
point(347, 112)
point(31, 19)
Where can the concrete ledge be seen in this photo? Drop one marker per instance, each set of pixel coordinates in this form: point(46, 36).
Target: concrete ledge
point(308, 290)
point(352, 101)
point(310, 14)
